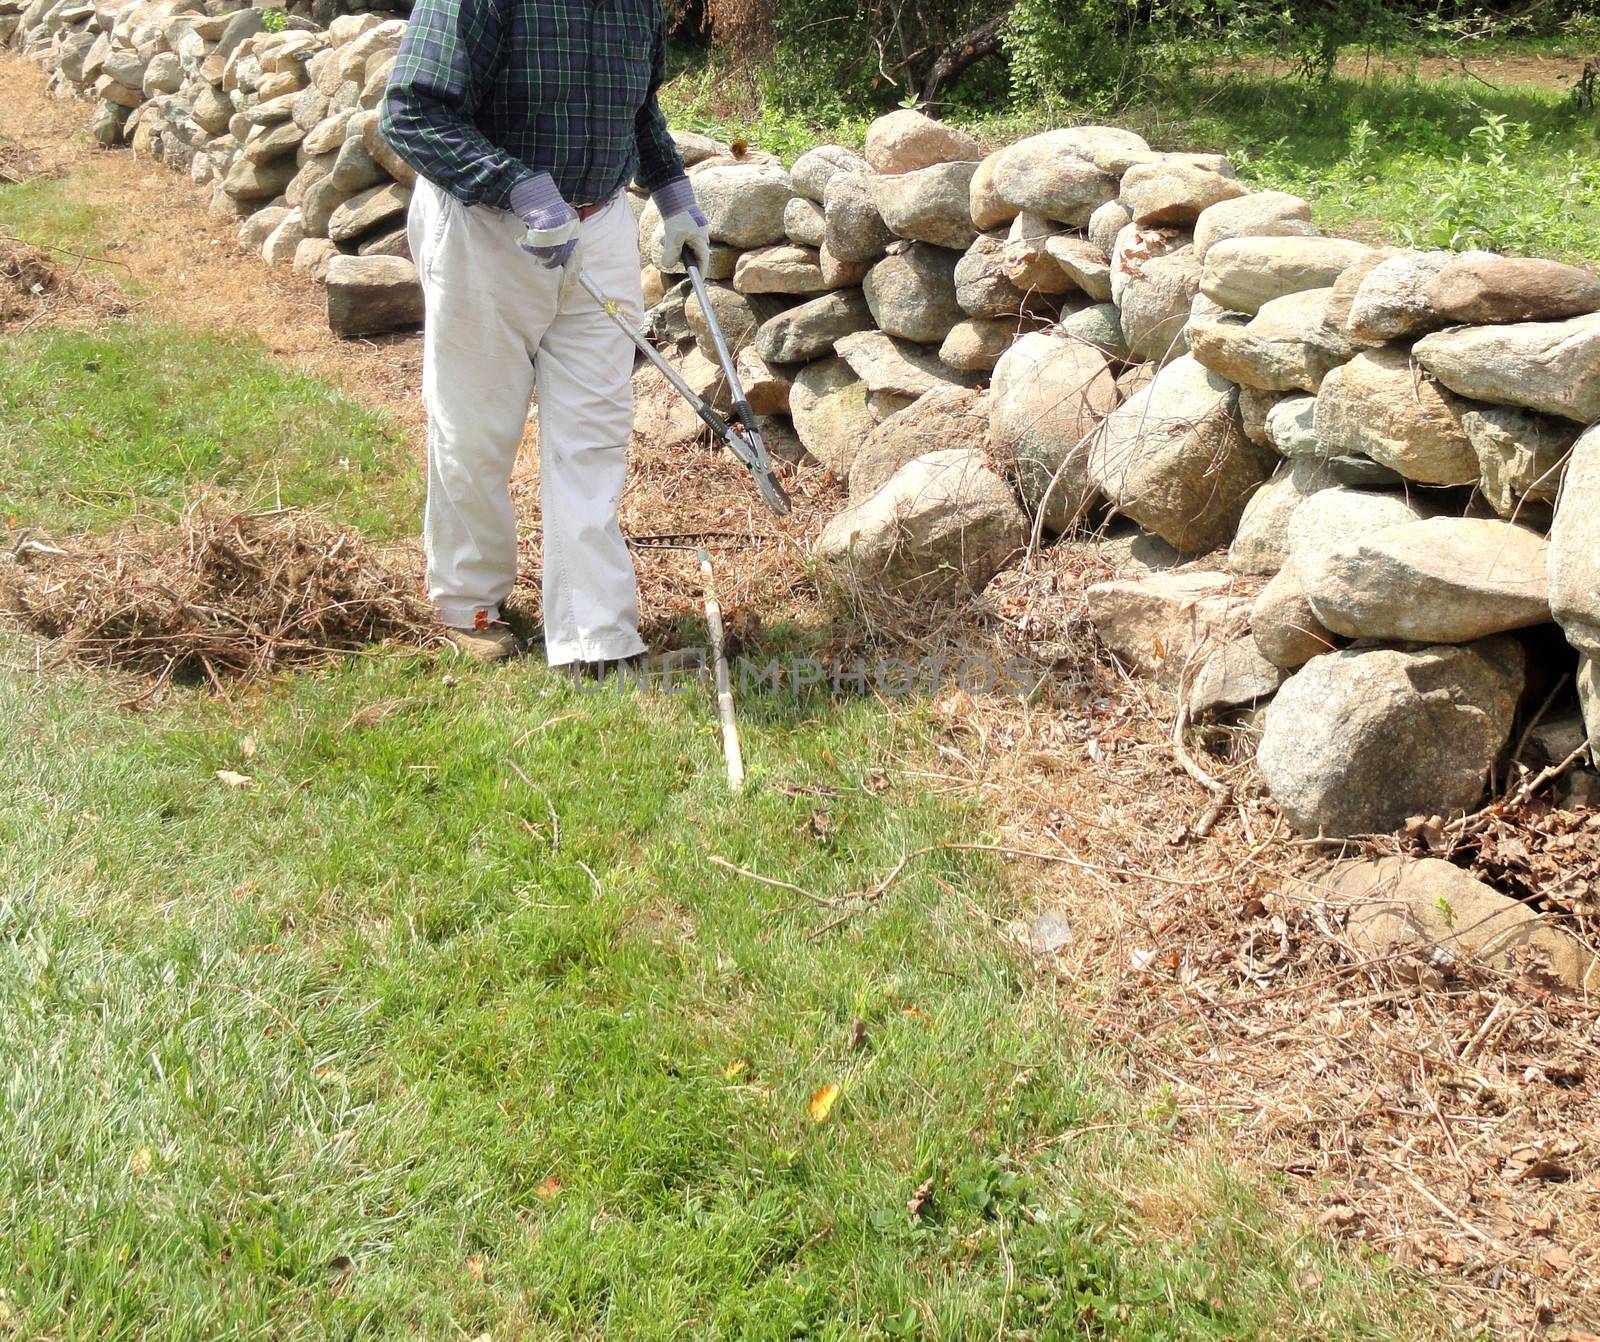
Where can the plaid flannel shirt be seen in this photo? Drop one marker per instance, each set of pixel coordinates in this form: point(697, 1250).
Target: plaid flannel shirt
point(487, 93)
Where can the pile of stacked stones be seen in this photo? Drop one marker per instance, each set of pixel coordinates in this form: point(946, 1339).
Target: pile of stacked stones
point(280, 126)
point(1354, 492)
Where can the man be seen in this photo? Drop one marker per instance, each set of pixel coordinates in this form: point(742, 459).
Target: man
point(526, 119)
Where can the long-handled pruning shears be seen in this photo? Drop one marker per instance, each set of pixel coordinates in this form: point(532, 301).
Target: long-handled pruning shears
point(742, 439)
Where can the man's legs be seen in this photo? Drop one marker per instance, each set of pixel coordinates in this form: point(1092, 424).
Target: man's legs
point(487, 303)
point(585, 365)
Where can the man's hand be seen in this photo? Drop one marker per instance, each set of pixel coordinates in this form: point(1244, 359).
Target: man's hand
point(553, 225)
point(683, 227)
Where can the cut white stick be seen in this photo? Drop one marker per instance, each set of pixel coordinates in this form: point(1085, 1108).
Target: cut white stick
point(730, 729)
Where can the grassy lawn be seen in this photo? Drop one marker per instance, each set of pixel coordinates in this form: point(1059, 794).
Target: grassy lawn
point(445, 1025)
point(1426, 162)
point(99, 424)
point(401, 1041)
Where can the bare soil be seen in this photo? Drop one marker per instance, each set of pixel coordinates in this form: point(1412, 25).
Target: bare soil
point(1448, 1117)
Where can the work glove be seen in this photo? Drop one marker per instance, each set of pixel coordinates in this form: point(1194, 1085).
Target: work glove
point(553, 225)
point(683, 227)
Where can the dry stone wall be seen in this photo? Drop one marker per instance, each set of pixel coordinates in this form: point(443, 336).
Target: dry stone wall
point(1365, 481)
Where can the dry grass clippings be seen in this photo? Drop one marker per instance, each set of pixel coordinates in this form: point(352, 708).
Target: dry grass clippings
point(220, 594)
point(37, 286)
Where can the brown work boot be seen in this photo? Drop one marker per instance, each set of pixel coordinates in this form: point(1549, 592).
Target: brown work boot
point(492, 643)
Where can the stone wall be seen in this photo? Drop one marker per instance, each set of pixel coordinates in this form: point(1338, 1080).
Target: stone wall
point(1364, 490)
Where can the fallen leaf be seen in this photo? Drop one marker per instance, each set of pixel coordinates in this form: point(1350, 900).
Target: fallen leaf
point(140, 1161)
point(247, 747)
point(920, 1198)
point(475, 1267)
point(738, 1071)
point(821, 1103)
point(858, 1033)
point(231, 779)
point(549, 1188)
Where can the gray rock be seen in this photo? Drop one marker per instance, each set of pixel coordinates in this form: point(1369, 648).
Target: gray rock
point(1380, 406)
point(1260, 214)
point(1359, 741)
point(1261, 544)
point(928, 204)
point(695, 148)
point(309, 108)
point(279, 247)
point(1392, 301)
point(1048, 396)
point(897, 366)
point(801, 334)
point(312, 256)
point(328, 135)
point(255, 230)
point(247, 181)
point(855, 230)
point(1156, 624)
point(1438, 912)
point(828, 403)
point(354, 169)
point(109, 121)
point(1285, 628)
point(1521, 457)
point(1439, 580)
point(805, 222)
point(815, 168)
point(1107, 223)
point(976, 344)
point(164, 74)
point(744, 205)
point(767, 386)
point(1054, 174)
point(1292, 428)
point(1231, 677)
point(1284, 347)
point(369, 210)
point(904, 141)
point(1575, 548)
point(211, 111)
point(739, 315)
point(1085, 264)
point(953, 417)
point(1553, 367)
point(1331, 518)
point(1170, 192)
point(396, 242)
point(1101, 326)
point(988, 210)
point(983, 289)
point(273, 143)
point(371, 294)
point(380, 151)
point(1175, 459)
point(1243, 273)
point(943, 523)
point(912, 294)
point(1154, 298)
point(1485, 288)
point(781, 269)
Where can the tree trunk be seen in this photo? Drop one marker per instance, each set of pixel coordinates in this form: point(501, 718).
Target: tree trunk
point(967, 50)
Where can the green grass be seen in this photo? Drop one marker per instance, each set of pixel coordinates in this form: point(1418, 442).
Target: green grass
point(95, 425)
point(1431, 163)
point(309, 1059)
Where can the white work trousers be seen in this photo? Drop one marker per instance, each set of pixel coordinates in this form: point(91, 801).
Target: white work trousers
point(492, 330)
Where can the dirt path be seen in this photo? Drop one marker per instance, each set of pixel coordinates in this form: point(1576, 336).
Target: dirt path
point(187, 264)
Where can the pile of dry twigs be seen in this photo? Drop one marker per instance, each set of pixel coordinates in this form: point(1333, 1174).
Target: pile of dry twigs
point(222, 593)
